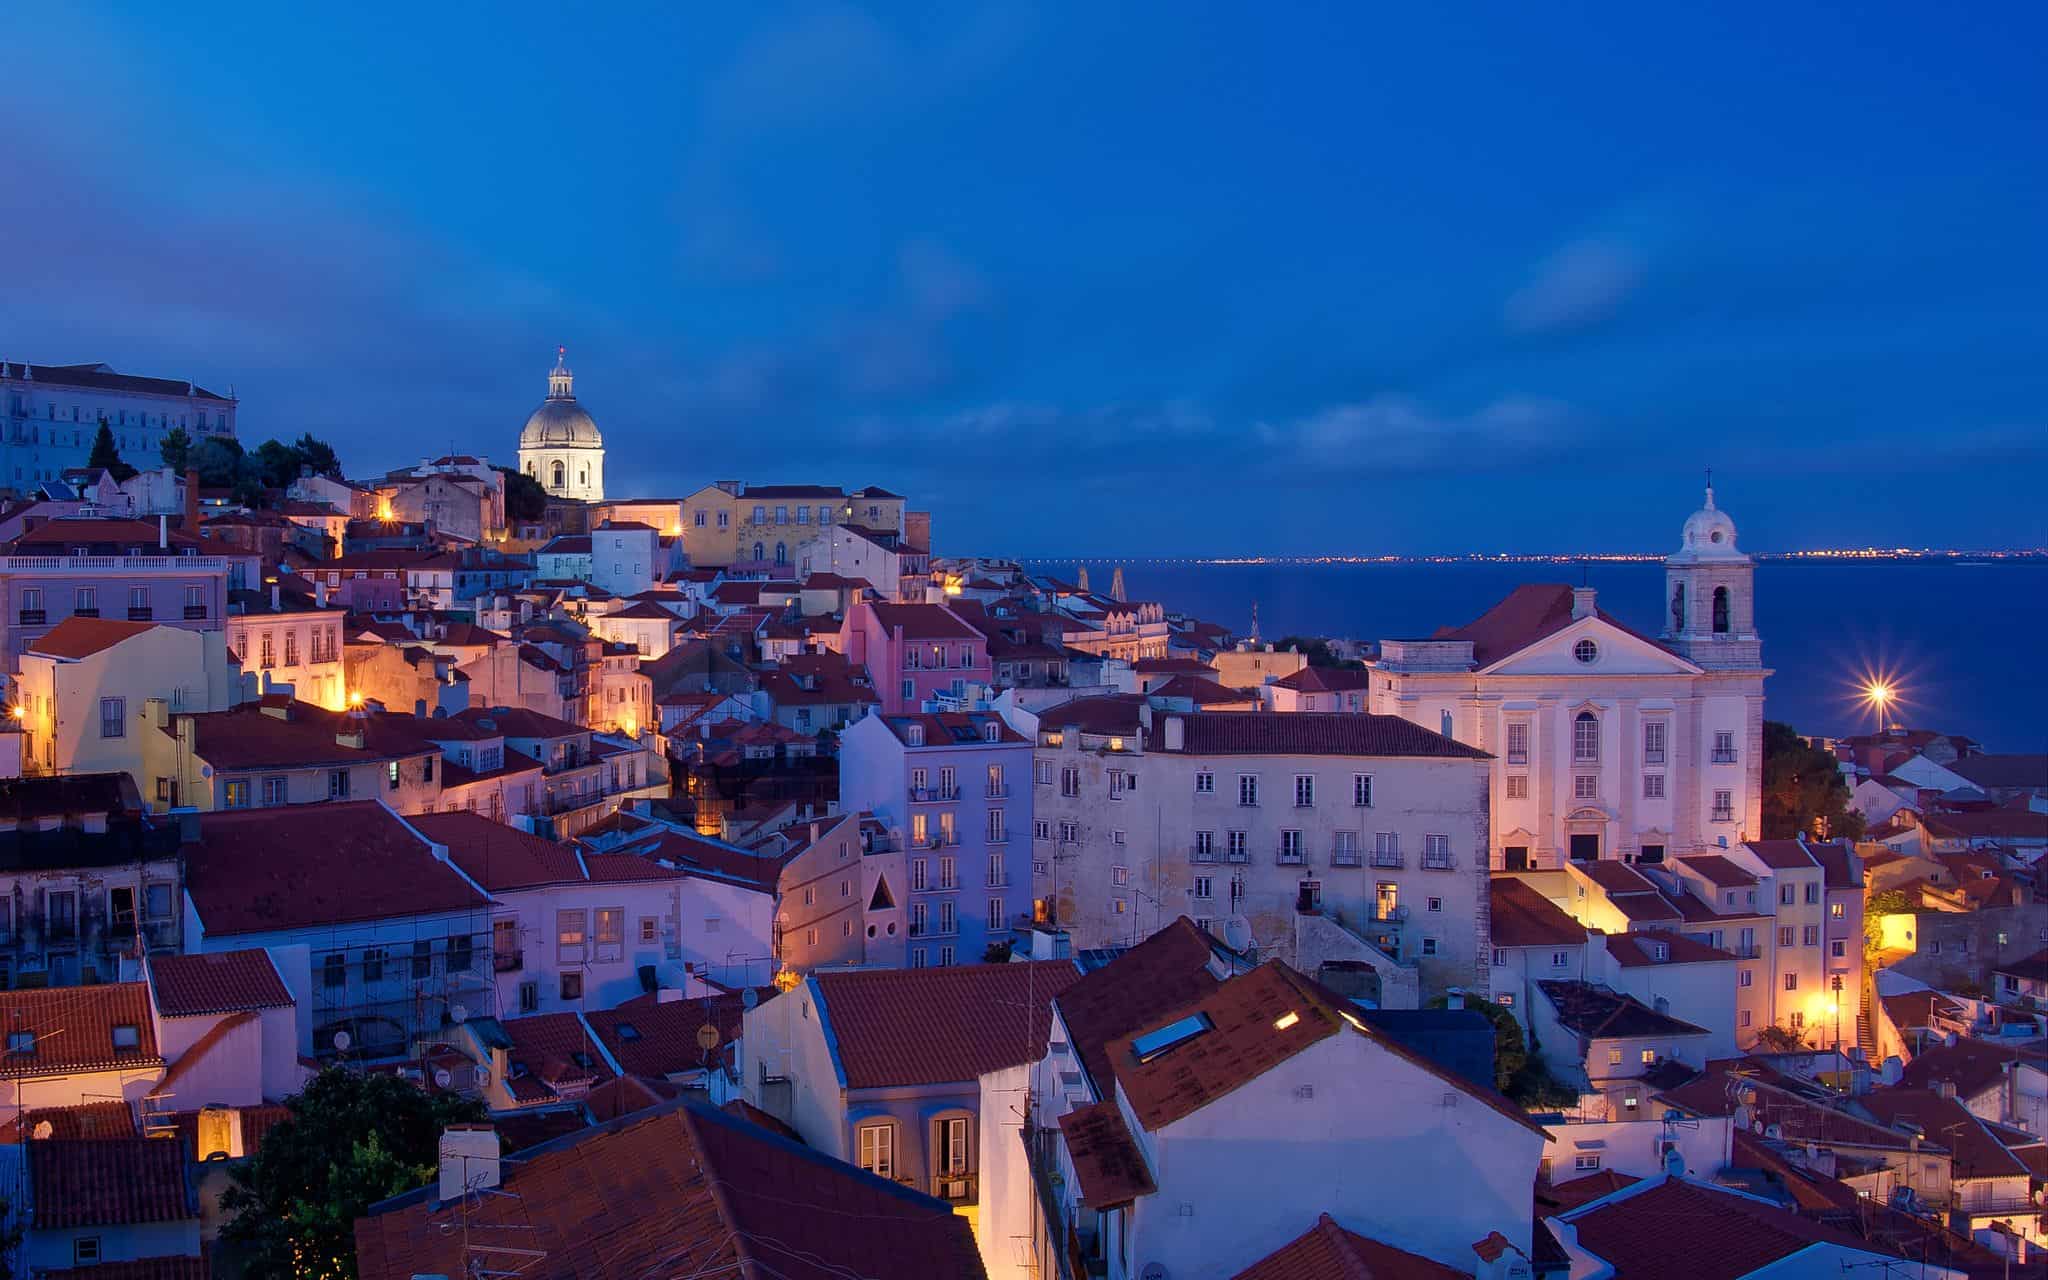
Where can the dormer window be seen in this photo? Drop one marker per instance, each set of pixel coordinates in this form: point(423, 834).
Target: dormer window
point(21, 1042)
point(914, 735)
point(991, 733)
point(127, 1037)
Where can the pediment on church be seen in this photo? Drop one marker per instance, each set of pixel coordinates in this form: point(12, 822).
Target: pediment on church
point(1615, 651)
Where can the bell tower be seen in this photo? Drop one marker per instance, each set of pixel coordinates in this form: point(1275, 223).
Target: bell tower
point(1710, 594)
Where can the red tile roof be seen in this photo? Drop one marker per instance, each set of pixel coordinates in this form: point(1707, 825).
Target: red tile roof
point(1781, 855)
point(656, 1038)
point(251, 871)
point(77, 637)
point(1674, 1227)
point(1597, 1012)
point(1615, 877)
point(1144, 984)
point(89, 1121)
point(922, 621)
point(697, 856)
point(1641, 907)
point(1327, 1251)
point(1972, 1065)
point(1243, 1041)
point(1326, 680)
point(1307, 733)
point(168, 1268)
point(74, 1029)
point(216, 982)
point(254, 736)
point(107, 1183)
point(1526, 615)
point(1201, 692)
point(502, 858)
point(937, 1026)
point(1635, 950)
point(1719, 871)
point(953, 728)
point(556, 1050)
point(1112, 714)
point(518, 722)
point(684, 1190)
point(1107, 1162)
point(1522, 917)
point(1977, 1154)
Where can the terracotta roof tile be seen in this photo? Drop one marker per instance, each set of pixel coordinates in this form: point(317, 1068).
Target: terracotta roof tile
point(682, 1190)
point(1674, 1227)
point(89, 1121)
point(1522, 917)
point(166, 1268)
point(1972, 1065)
point(1781, 855)
point(74, 1030)
point(1165, 971)
point(699, 856)
point(1307, 733)
point(216, 982)
point(1202, 692)
point(1327, 1251)
point(1524, 616)
point(922, 621)
point(937, 1026)
point(1615, 877)
point(1595, 1012)
point(107, 1183)
point(658, 1038)
point(77, 637)
point(249, 872)
point(1719, 871)
point(1107, 1162)
point(1635, 950)
point(1326, 680)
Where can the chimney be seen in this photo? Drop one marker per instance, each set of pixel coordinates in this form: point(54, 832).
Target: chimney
point(1582, 603)
point(192, 501)
point(1596, 955)
point(163, 533)
point(469, 1160)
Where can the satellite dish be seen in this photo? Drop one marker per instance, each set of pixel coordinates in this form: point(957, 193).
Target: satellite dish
point(707, 1037)
point(342, 1041)
point(443, 1078)
point(749, 998)
point(1237, 935)
point(458, 1012)
point(1153, 1271)
point(206, 771)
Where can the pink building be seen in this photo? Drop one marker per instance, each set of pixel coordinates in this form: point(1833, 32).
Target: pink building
point(914, 652)
point(125, 569)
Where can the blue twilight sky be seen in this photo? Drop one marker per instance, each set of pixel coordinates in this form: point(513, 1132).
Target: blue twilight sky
point(1097, 278)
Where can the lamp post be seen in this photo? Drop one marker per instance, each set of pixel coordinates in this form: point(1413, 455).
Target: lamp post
point(1878, 693)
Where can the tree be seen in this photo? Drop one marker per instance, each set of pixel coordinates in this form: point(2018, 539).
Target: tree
point(1804, 789)
point(1318, 652)
point(106, 457)
point(351, 1140)
point(525, 500)
point(1777, 1039)
point(176, 449)
point(1510, 1050)
point(277, 463)
point(319, 455)
point(222, 464)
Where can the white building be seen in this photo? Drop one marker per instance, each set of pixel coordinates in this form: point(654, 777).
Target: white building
point(626, 557)
point(52, 413)
point(1606, 743)
point(561, 446)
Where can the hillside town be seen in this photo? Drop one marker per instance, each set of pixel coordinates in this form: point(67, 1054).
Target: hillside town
point(461, 870)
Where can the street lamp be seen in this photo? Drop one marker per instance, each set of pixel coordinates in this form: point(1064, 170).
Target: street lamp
point(1837, 985)
point(1879, 694)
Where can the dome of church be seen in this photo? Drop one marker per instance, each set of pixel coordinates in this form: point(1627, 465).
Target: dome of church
point(1709, 534)
point(560, 422)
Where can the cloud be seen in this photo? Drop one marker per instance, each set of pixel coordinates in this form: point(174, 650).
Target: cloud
point(1581, 284)
point(1398, 433)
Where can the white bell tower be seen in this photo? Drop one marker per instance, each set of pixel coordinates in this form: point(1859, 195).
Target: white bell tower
point(1710, 594)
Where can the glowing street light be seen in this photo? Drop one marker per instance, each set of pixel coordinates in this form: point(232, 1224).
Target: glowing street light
point(1880, 695)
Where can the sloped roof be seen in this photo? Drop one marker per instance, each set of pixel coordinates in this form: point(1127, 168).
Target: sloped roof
point(216, 982)
point(98, 376)
point(1107, 1162)
point(1675, 1227)
point(1326, 680)
point(77, 637)
point(922, 621)
point(1522, 917)
point(699, 856)
point(1327, 1251)
point(502, 858)
point(938, 1026)
point(1719, 871)
point(683, 1189)
point(656, 1038)
point(1973, 1065)
point(251, 871)
point(1781, 855)
point(1637, 950)
point(2002, 771)
point(1307, 733)
point(1138, 987)
point(108, 1182)
point(74, 1029)
point(1529, 613)
point(1599, 1012)
point(1977, 1154)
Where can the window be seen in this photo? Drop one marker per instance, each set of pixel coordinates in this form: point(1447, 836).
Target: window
point(948, 877)
point(85, 1250)
point(572, 985)
point(1386, 849)
point(422, 960)
point(611, 933)
point(1204, 887)
point(1838, 949)
point(1116, 784)
point(1614, 1057)
point(878, 1149)
point(113, 717)
point(1797, 1020)
point(1810, 936)
point(1560, 959)
point(948, 922)
point(291, 648)
point(391, 771)
point(570, 937)
point(1429, 946)
point(1835, 910)
point(1518, 786)
point(1743, 1019)
point(920, 874)
point(1747, 978)
point(1724, 806)
point(994, 919)
point(1041, 772)
point(1304, 791)
point(1586, 1163)
point(1586, 736)
point(1586, 651)
point(1653, 742)
point(85, 602)
point(1518, 742)
point(373, 964)
point(1585, 786)
point(1361, 790)
point(334, 969)
point(1290, 846)
point(276, 791)
point(1724, 747)
point(1812, 895)
point(1500, 957)
point(1248, 789)
point(1434, 904)
point(1070, 832)
point(235, 793)
point(1649, 1057)
point(1205, 783)
point(1653, 786)
point(1344, 849)
point(1791, 982)
point(269, 649)
point(910, 695)
point(1237, 847)
point(337, 784)
point(1070, 780)
point(1785, 936)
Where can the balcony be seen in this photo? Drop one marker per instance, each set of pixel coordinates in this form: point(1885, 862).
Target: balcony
point(932, 840)
point(90, 611)
point(507, 961)
point(1722, 757)
point(1384, 914)
point(1438, 862)
point(1237, 855)
point(998, 837)
point(1196, 853)
point(33, 617)
point(141, 613)
point(932, 795)
point(1723, 815)
point(195, 612)
point(998, 793)
point(1287, 857)
point(1653, 757)
point(1388, 859)
point(1749, 951)
point(956, 1188)
point(1343, 857)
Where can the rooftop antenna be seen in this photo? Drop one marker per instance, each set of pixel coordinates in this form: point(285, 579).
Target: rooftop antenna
point(1255, 620)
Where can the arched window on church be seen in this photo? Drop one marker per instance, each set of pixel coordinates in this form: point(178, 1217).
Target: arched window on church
point(757, 553)
point(585, 480)
point(1586, 738)
point(782, 553)
point(1720, 610)
point(558, 472)
point(1678, 607)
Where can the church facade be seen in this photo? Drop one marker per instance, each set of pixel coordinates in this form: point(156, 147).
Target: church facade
point(1606, 743)
point(561, 446)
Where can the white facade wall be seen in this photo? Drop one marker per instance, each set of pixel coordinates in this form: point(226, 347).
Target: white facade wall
point(625, 562)
point(785, 1040)
point(531, 957)
point(1636, 1147)
point(1344, 1127)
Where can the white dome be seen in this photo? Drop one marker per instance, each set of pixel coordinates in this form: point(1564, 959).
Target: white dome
point(560, 422)
point(1709, 534)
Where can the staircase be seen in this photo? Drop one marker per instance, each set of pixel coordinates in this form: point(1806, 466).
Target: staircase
point(1866, 1022)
